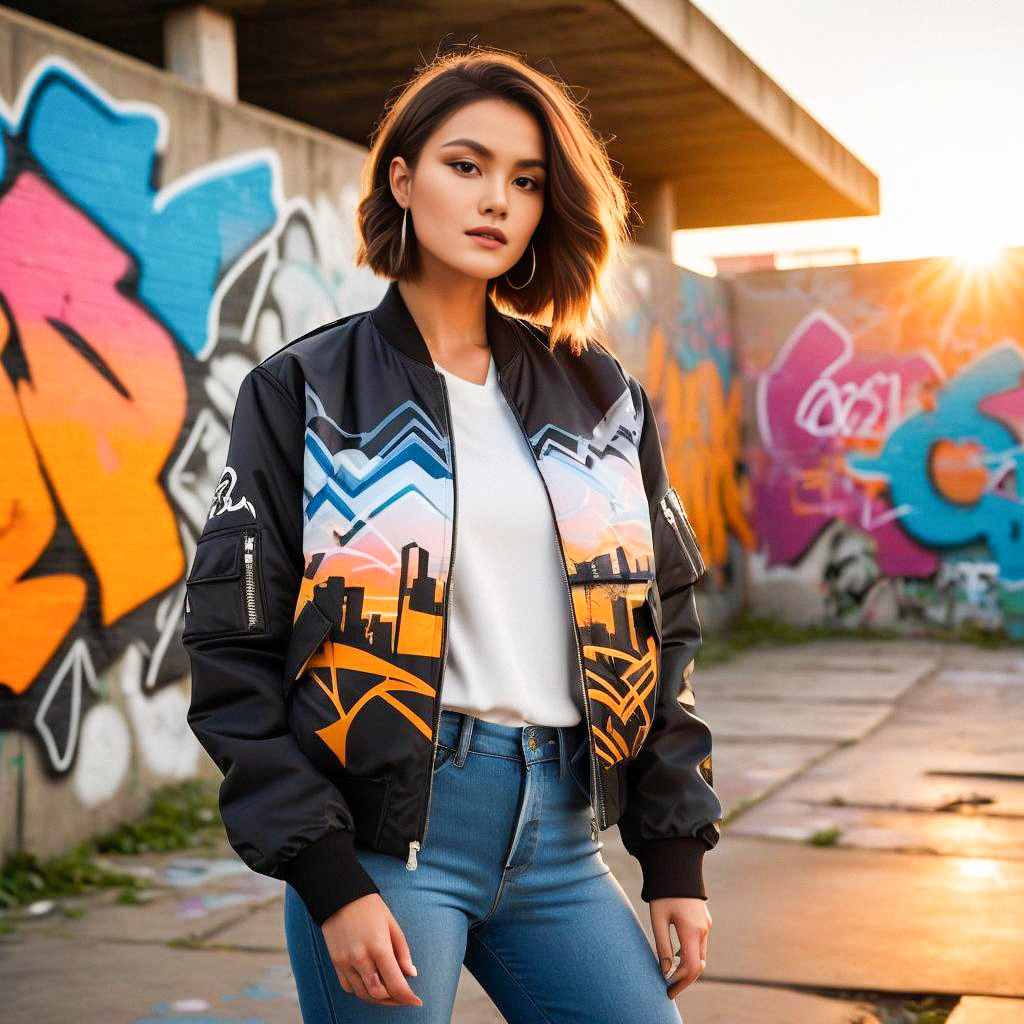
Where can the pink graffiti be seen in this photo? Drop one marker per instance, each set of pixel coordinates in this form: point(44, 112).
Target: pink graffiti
point(1007, 407)
point(817, 401)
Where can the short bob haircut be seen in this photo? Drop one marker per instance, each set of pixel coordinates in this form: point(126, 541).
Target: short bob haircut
point(586, 207)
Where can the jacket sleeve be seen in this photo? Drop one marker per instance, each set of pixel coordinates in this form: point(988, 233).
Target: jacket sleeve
point(283, 817)
point(672, 812)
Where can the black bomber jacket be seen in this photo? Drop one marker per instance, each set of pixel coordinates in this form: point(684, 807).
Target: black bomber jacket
point(316, 606)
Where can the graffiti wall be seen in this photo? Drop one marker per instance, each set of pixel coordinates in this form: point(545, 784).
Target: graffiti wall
point(845, 440)
point(154, 248)
point(673, 331)
point(885, 414)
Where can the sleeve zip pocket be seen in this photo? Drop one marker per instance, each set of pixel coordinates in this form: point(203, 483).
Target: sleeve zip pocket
point(672, 509)
point(224, 587)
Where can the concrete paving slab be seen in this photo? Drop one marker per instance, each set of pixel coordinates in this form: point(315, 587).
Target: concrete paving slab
point(982, 1010)
point(263, 928)
point(827, 679)
point(716, 1002)
point(789, 719)
point(945, 748)
point(954, 834)
point(846, 654)
point(999, 659)
point(787, 913)
point(745, 769)
point(54, 981)
point(171, 914)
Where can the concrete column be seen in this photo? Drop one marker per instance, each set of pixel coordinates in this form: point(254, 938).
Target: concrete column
point(654, 200)
point(199, 46)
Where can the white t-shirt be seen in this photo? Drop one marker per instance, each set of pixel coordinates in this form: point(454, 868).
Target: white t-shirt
point(511, 651)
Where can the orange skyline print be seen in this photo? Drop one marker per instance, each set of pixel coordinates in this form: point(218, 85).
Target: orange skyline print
point(604, 521)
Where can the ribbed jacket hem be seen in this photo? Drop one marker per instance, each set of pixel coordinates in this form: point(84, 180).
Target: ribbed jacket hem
point(327, 874)
point(672, 867)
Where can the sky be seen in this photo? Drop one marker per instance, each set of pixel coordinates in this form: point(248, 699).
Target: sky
point(928, 94)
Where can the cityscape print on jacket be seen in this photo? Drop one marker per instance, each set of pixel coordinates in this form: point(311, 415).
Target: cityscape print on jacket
point(377, 528)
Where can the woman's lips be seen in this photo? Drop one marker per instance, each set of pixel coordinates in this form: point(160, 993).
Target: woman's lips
point(486, 241)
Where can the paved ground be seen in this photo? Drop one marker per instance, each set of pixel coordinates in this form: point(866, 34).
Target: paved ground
point(875, 848)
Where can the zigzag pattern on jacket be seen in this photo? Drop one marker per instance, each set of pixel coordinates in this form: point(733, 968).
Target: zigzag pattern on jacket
point(375, 535)
point(376, 538)
point(601, 506)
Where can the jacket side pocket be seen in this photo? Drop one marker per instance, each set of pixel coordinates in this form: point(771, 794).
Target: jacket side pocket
point(308, 635)
point(224, 586)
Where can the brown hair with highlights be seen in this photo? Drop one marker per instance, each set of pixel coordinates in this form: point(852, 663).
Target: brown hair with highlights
point(586, 207)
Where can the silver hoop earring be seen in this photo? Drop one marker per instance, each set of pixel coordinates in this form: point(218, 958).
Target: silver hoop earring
point(533, 270)
point(401, 247)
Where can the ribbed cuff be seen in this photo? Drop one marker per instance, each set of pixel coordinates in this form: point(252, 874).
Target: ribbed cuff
point(327, 874)
point(672, 867)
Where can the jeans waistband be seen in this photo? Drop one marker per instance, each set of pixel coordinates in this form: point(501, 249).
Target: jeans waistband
point(463, 732)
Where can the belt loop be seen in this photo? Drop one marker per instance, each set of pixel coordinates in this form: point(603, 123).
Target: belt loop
point(562, 754)
point(465, 734)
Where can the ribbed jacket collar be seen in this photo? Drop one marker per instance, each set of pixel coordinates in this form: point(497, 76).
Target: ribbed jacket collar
point(395, 322)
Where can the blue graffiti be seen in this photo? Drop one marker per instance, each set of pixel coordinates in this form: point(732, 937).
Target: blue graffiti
point(703, 305)
point(996, 517)
point(699, 330)
point(105, 160)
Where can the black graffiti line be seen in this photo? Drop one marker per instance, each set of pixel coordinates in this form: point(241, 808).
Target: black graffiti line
point(87, 352)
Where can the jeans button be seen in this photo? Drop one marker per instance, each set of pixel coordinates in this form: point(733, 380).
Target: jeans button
point(532, 740)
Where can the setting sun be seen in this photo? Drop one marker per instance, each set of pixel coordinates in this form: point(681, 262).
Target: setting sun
point(979, 253)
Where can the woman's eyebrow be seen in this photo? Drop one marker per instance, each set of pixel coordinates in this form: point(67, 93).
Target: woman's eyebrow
point(480, 148)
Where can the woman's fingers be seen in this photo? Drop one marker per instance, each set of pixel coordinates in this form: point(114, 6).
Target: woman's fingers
point(402, 952)
point(689, 965)
point(393, 980)
point(662, 941)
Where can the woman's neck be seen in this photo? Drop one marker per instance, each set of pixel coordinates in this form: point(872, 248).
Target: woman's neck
point(452, 318)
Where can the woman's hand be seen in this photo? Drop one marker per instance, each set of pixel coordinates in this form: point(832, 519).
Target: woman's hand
point(692, 923)
point(369, 952)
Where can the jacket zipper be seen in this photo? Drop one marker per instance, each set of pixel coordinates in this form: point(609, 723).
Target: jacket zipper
point(416, 844)
point(595, 784)
point(671, 517)
point(249, 549)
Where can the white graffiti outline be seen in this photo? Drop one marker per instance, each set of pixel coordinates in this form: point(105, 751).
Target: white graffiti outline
point(824, 380)
point(78, 664)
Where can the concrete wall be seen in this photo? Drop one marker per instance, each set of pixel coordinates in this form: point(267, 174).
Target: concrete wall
point(884, 411)
point(157, 242)
point(846, 440)
point(674, 332)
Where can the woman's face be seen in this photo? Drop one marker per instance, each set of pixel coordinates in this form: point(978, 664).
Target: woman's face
point(483, 167)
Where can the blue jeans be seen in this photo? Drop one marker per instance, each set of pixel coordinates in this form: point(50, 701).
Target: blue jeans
point(511, 884)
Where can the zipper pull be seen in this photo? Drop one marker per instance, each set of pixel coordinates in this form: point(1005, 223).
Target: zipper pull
point(411, 862)
point(593, 828)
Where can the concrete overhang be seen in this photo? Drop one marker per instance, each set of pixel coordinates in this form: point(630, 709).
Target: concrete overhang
point(673, 98)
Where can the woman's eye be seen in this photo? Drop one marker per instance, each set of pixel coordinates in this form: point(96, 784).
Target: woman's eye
point(463, 164)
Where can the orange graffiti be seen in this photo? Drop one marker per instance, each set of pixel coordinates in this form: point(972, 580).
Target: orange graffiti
point(958, 471)
point(90, 409)
point(702, 447)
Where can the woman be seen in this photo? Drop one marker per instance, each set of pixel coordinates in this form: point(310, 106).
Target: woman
point(322, 614)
